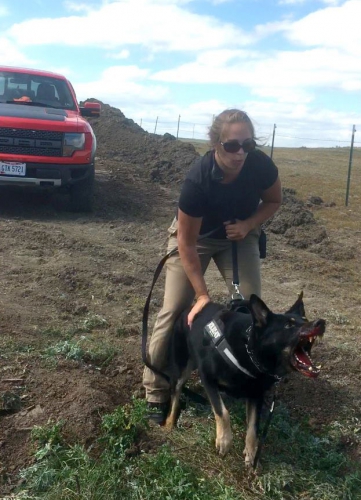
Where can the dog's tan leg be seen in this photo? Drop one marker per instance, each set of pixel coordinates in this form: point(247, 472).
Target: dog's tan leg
point(250, 449)
point(174, 410)
point(223, 430)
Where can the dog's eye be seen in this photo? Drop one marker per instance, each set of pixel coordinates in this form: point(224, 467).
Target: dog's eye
point(290, 324)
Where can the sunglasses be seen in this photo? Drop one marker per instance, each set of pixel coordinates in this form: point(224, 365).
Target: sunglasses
point(234, 145)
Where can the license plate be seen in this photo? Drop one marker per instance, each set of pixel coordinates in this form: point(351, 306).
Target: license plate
point(12, 168)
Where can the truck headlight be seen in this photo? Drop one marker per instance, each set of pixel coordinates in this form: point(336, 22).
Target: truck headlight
point(73, 142)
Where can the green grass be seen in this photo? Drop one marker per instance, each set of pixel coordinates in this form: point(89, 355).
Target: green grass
point(83, 349)
point(296, 464)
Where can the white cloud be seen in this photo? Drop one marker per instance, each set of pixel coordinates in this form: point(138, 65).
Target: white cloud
point(77, 7)
point(283, 75)
point(11, 55)
point(127, 22)
point(300, 124)
point(291, 2)
point(123, 54)
point(300, 2)
point(123, 86)
point(335, 27)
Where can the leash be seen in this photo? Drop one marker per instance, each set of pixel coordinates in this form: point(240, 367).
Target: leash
point(147, 305)
point(235, 282)
point(146, 315)
point(265, 429)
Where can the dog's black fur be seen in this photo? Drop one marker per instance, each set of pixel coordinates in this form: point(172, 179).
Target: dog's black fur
point(264, 343)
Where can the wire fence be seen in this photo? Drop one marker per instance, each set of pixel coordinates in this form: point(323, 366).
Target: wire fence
point(270, 135)
point(278, 135)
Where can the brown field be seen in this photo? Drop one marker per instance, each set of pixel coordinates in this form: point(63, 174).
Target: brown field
point(80, 282)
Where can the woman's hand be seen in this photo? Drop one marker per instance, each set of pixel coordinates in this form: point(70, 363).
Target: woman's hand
point(237, 230)
point(202, 300)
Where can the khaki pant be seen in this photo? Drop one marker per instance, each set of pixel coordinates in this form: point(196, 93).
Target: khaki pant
point(179, 294)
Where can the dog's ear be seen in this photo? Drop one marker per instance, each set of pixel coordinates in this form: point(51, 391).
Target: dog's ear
point(298, 307)
point(259, 310)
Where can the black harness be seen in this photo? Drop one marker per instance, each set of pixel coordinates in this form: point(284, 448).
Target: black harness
point(213, 330)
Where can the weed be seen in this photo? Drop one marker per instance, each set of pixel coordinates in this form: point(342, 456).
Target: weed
point(47, 434)
point(78, 351)
point(121, 332)
point(336, 318)
point(51, 332)
point(68, 349)
point(62, 472)
point(93, 321)
point(300, 466)
point(121, 428)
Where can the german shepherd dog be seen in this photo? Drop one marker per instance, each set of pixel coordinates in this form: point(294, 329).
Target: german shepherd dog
point(262, 347)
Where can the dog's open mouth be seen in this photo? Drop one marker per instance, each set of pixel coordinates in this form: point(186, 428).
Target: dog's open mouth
point(301, 357)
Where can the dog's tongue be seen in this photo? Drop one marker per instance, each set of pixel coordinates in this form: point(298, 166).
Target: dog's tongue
point(302, 357)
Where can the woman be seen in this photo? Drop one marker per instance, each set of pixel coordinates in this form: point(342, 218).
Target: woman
point(231, 190)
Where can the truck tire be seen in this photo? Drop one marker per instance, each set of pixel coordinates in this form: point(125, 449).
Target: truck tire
point(81, 195)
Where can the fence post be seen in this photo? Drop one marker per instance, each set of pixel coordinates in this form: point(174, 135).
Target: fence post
point(178, 125)
point(156, 123)
point(273, 139)
point(350, 165)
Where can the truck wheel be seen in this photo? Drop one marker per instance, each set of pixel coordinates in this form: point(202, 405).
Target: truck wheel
point(81, 196)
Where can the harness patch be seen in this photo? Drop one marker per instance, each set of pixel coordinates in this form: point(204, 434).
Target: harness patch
point(214, 331)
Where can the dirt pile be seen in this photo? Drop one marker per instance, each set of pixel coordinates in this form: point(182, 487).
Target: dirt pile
point(296, 223)
point(151, 157)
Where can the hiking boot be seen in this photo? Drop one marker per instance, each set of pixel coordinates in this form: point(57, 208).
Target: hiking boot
point(158, 412)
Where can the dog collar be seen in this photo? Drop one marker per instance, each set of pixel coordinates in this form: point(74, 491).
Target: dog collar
point(258, 365)
point(220, 343)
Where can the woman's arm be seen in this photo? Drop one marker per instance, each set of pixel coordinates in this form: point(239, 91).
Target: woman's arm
point(271, 201)
point(188, 231)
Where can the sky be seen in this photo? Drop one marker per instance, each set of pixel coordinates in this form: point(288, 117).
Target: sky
point(293, 65)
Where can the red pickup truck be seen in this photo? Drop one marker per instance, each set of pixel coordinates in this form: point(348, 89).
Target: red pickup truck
point(44, 139)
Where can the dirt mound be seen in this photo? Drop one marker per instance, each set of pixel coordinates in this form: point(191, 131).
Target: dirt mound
point(296, 223)
point(157, 158)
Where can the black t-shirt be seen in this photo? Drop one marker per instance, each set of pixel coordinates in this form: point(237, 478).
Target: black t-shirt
point(203, 194)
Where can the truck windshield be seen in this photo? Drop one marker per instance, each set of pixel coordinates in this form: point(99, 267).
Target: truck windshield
point(41, 90)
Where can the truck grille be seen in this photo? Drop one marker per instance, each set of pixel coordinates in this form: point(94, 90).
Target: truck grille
point(31, 142)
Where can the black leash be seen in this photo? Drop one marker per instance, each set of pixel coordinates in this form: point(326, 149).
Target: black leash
point(265, 430)
point(235, 282)
point(146, 315)
point(147, 304)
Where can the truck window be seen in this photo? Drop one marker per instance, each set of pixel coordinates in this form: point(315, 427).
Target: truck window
point(2, 86)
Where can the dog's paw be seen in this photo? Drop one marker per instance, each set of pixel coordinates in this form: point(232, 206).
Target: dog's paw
point(249, 456)
point(169, 424)
point(223, 445)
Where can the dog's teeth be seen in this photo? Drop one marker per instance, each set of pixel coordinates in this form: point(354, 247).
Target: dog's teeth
point(319, 367)
point(310, 369)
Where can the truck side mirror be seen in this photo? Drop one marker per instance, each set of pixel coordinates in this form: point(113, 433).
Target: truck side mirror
point(90, 109)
